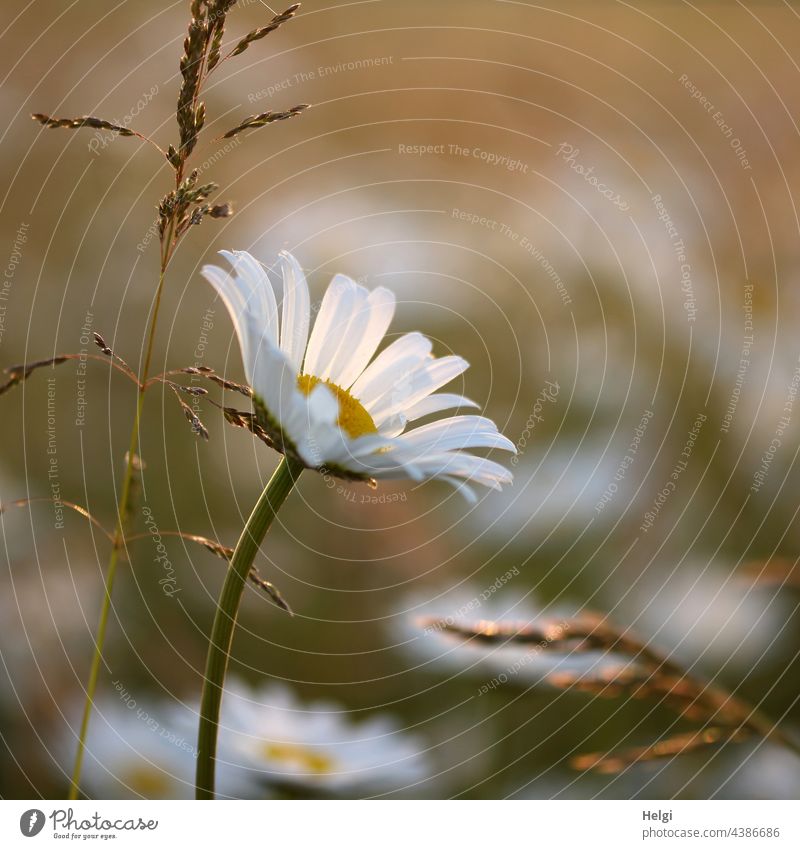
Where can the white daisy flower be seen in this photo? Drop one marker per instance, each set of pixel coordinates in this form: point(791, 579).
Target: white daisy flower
point(324, 401)
point(142, 752)
point(269, 733)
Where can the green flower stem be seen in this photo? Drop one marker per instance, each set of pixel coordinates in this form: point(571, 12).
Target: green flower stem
point(219, 647)
point(118, 544)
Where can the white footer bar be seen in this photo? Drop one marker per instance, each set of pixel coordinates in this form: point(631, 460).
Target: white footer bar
point(404, 825)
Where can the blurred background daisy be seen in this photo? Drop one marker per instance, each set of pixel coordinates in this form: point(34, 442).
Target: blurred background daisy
point(320, 746)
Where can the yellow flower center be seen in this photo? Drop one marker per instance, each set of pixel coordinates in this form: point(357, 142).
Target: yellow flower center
point(148, 781)
point(306, 759)
point(353, 419)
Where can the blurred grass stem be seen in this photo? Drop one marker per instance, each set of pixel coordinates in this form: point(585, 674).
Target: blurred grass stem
point(119, 532)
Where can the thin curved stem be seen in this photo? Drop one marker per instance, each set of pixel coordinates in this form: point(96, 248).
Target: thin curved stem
point(117, 544)
point(267, 506)
point(80, 510)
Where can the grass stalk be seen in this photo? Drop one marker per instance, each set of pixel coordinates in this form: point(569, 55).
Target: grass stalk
point(118, 543)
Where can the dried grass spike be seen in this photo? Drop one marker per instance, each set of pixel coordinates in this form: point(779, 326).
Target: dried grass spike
point(101, 344)
point(221, 210)
point(85, 121)
point(225, 553)
point(259, 33)
point(196, 370)
point(549, 635)
point(173, 157)
point(610, 763)
point(253, 122)
point(194, 47)
point(247, 421)
point(777, 572)
point(270, 589)
point(93, 123)
point(118, 361)
point(197, 425)
point(19, 373)
point(78, 508)
point(230, 384)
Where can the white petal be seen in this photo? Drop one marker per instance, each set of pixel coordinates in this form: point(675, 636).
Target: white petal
point(462, 465)
point(334, 316)
point(320, 433)
point(307, 449)
point(237, 308)
point(323, 406)
point(391, 465)
point(393, 426)
point(455, 433)
point(381, 304)
point(427, 378)
point(363, 445)
point(256, 290)
point(365, 455)
point(347, 452)
point(372, 454)
point(275, 382)
point(350, 335)
point(436, 404)
point(402, 357)
point(461, 488)
point(296, 310)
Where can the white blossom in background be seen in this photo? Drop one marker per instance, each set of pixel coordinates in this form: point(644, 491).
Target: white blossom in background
point(135, 751)
point(270, 734)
